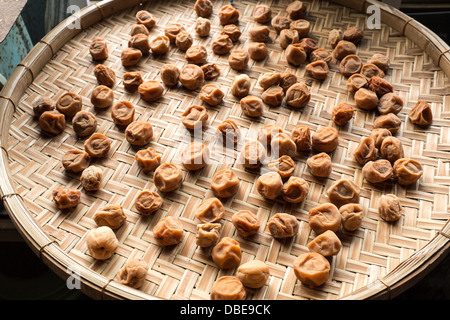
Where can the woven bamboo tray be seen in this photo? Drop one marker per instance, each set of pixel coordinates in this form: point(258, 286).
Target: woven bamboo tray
point(378, 261)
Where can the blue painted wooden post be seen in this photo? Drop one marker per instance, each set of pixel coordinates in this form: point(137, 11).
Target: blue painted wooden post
point(14, 48)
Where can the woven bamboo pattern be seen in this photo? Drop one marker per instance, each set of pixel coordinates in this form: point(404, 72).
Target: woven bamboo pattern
point(186, 271)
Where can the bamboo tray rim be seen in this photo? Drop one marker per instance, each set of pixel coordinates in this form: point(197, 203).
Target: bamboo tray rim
point(97, 286)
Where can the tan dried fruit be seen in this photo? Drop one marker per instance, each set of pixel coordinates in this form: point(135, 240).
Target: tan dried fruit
point(334, 37)
point(133, 273)
point(320, 165)
point(246, 223)
point(171, 31)
point(301, 135)
point(390, 103)
point(298, 95)
point(238, 59)
point(284, 166)
point(252, 106)
point(380, 86)
point(168, 231)
point(110, 215)
point(381, 61)
point(195, 156)
point(168, 177)
point(283, 225)
point(266, 133)
point(343, 191)
point(132, 81)
point(140, 41)
point(196, 54)
point(91, 178)
point(312, 269)
point(366, 99)
point(269, 185)
point(225, 183)
point(318, 69)
point(350, 65)
point(282, 144)
point(258, 51)
point(344, 48)
point(370, 70)
point(98, 49)
point(342, 113)
point(391, 149)
point(388, 121)
point(232, 31)
point(287, 37)
point(101, 242)
point(390, 208)
point(365, 151)
point(170, 74)
point(327, 244)
point(259, 33)
point(147, 202)
point(253, 154)
point(122, 113)
point(227, 253)
point(353, 34)
point(76, 160)
point(66, 198)
point(210, 71)
point(240, 86)
point(98, 145)
point(262, 13)
point(228, 132)
point(191, 76)
point(352, 215)
point(160, 44)
point(253, 274)
point(378, 135)
point(184, 40)
point(42, 104)
point(377, 171)
point(295, 54)
point(207, 234)
point(228, 15)
point(325, 139)
point(69, 104)
point(325, 216)
point(355, 82)
point(150, 90)
point(148, 159)
point(273, 96)
point(203, 8)
point(228, 288)
point(302, 26)
point(146, 18)
point(194, 117)
point(209, 211)
point(211, 94)
point(202, 26)
point(295, 190)
point(421, 114)
point(279, 23)
point(296, 10)
point(84, 123)
point(130, 57)
point(221, 44)
point(102, 97)
point(407, 171)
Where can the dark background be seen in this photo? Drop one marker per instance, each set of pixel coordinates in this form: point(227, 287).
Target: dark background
point(27, 278)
